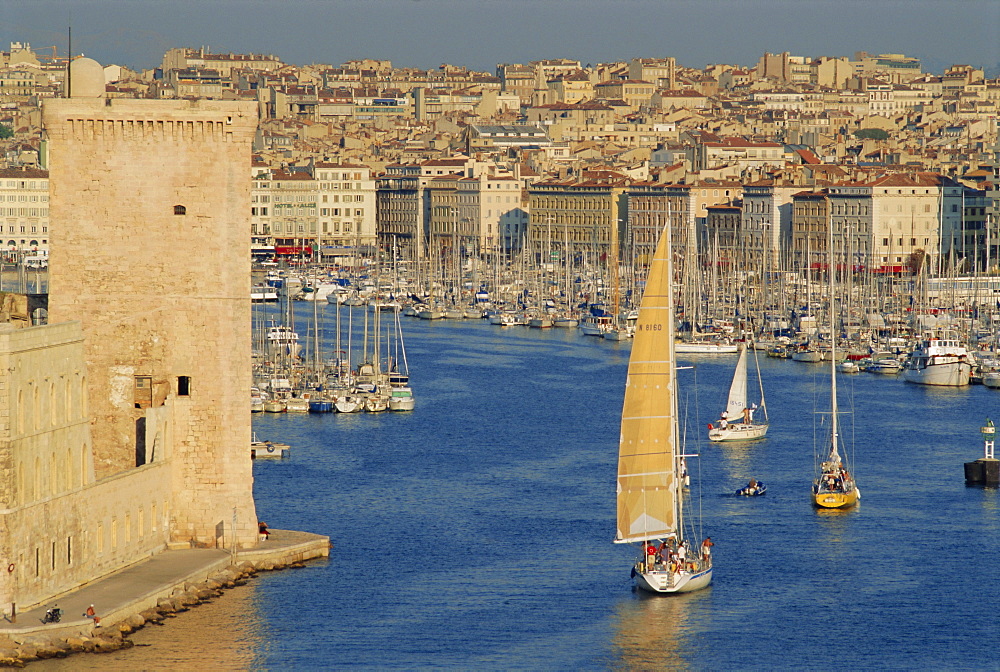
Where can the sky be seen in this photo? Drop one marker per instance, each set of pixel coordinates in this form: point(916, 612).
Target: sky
point(482, 33)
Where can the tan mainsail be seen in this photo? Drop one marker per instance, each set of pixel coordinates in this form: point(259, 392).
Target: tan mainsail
point(647, 456)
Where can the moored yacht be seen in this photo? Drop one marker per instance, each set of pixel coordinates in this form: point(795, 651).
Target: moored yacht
point(939, 361)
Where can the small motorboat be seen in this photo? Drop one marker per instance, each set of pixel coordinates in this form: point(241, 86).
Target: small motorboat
point(753, 489)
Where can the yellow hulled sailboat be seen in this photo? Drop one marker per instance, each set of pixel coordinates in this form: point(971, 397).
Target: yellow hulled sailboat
point(650, 499)
point(834, 487)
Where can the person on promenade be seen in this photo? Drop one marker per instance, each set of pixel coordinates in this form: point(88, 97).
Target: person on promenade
point(91, 614)
point(262, 529)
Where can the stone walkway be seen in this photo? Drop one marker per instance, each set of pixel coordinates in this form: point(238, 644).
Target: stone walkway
point(139, 587)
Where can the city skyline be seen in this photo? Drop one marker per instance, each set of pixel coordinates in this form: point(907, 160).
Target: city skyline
point(427, 33)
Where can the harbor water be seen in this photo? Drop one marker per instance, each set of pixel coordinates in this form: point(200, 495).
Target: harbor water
point(475, 532)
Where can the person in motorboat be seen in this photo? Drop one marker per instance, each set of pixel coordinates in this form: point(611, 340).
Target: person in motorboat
point(754, 487)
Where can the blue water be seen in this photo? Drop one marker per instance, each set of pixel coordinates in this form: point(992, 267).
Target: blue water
point(476, 531)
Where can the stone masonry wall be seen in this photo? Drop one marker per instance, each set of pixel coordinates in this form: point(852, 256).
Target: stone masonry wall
point(149, 202)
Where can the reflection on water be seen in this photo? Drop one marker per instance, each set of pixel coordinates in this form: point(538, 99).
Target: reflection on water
point(650, 631)
point(738, 461)
point(224, 634)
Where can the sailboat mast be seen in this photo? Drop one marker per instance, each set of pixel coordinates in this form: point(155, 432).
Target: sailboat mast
point(833, 334)
point(671, 362)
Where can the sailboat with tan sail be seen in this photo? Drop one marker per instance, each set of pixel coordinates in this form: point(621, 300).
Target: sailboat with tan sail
point(650, 458)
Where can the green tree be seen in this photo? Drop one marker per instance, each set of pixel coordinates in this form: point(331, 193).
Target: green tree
point(873, 133)
point(5, 132)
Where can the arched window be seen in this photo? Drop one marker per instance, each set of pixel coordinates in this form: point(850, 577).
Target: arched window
point(180, 210)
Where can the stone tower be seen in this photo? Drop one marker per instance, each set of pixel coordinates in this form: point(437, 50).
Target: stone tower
point(150, 252)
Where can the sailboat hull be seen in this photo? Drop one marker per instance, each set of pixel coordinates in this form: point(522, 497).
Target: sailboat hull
point(835, 500)
point(737, 432)
point(706, 348)
point(664, 582)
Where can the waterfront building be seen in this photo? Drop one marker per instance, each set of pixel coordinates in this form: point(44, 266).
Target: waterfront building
point(810, 226)
point(909, 213)
point(852, 214)
point(651, 207)
point(585, 217)
point(404, 206)
point(767, 219)
point(293, 211)
point(326, 209)
point(403, 210)
point(482, 215)
point(724, 241)
point(24, 209)
point(346, 202)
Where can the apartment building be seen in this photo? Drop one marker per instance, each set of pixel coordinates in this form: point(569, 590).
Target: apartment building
point(24, 209)
point(184, 58)
point(345, 199)
point(403, 210)
point(583, 217)
point(883, 224)
point(767, 219)
point(635, 92)
point(17, 84)
point(518, 79)
point(909, 213)
point(738, 153)
point(651, 208)
point(810, 230)
point(327, 209)
point(723, 239)
point(661, 72)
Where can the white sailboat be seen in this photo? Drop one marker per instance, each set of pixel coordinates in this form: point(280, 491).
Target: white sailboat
point(737, 422)
point(650, 459)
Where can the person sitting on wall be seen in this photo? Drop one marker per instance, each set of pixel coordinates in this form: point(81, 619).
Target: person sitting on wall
point(262, 529)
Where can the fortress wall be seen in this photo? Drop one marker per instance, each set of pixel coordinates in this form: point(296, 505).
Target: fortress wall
point(149, 202)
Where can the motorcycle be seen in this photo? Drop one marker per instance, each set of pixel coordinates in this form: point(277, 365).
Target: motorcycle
point(52, 615)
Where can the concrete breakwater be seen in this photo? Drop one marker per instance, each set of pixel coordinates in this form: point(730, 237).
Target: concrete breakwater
point(152, 591)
